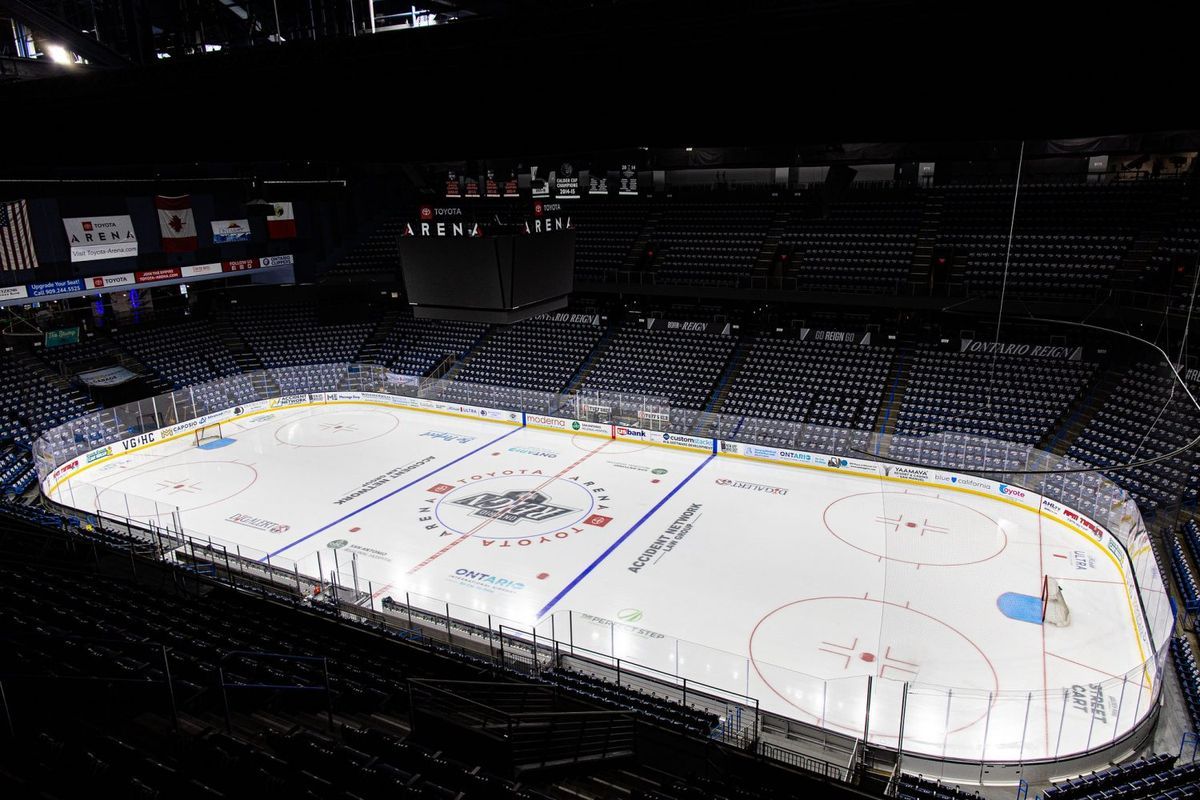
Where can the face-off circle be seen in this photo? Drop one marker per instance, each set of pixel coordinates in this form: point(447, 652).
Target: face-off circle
point(836, 642)
point(912, 528)
point(155, 491)
point(336, 428)
point(523, 507)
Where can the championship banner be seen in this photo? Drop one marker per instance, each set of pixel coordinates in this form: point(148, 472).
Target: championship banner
point(471, 190)
point(453, 185)
point(176, 223)
point(511, 185)
point(566, 181)
point(597, 181)
point(281, 222)
point(491, 189)
point(226, 231)
point(628, 186)
point(95, 238)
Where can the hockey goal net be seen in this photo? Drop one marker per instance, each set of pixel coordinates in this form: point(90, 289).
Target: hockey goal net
point(1054, 606)
point(208, 433)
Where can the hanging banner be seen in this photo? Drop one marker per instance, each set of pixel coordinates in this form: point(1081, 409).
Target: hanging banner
point(566, 181)
point(281, 222)
point(226, 231)
point(453, 186)
point(95, 238)
point(597, 181)
point(628, 186)
point(539, 182)
point(176, 223)
point(491, 189)
point(511, 186)
point(471, 187)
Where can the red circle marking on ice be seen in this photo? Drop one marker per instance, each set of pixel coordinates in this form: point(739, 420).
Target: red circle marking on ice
point(543, 575)
point(355, 530)
point(304, 425)
point(813, 613)
point(201, 466)
point(871, 523)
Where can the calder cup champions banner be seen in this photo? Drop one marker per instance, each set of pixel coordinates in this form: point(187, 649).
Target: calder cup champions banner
point(95, 238)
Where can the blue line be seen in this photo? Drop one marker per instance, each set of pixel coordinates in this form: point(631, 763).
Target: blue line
point(627, 534)
point(389, 494)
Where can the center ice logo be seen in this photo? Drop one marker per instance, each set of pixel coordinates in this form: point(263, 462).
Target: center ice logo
point(514, 507)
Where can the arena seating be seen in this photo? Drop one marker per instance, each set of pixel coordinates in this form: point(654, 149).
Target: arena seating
point(604, 236)
point(32, 401)
point(292, 335)
point(653, 707)
point(1146, 777)
point(539, 354)
point(1187, 669)
point(415, 346)
point(680, 366)
point(836, 384)
point(863, 243)
point(1185, 578)
point(1142, 416)
point(93, 349)
point(1068, 238)
point(704, 243)
point(376, 253)
point(183, 353)
point(948, 391)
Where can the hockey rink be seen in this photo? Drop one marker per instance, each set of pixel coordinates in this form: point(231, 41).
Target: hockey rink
point(786, 584)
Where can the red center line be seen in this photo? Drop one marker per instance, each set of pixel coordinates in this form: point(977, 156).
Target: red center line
point(1045, 679)
point(462, 538)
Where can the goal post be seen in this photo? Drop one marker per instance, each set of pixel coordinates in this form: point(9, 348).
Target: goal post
point(208, 433)
point(1054, 606)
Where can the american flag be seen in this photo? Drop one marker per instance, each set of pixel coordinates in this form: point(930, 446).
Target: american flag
point(16, 237)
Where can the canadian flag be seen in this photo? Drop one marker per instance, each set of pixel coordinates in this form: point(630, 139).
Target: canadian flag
point(176, 223)
point(281, 222)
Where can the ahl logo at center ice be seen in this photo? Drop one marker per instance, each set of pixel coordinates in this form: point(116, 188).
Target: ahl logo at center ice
point(514, 507)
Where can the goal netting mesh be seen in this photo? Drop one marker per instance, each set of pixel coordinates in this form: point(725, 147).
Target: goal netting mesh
point(1054, 606)
point(208, 433)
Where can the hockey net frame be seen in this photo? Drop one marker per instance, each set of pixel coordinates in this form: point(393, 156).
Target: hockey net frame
point(207, 433)
point(1055, 610)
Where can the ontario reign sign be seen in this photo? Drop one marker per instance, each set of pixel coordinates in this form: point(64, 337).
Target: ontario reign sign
point(513, 507)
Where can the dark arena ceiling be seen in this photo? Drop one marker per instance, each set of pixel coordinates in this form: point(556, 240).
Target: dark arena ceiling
point(300, 79)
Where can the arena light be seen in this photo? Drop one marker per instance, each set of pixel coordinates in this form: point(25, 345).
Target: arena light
point(58, 54)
